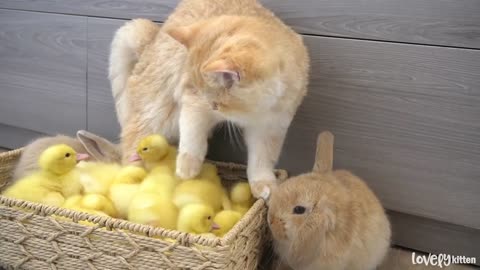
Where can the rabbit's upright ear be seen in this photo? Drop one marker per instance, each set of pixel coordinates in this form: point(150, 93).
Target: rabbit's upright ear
point(324, 154)
point(99, 148)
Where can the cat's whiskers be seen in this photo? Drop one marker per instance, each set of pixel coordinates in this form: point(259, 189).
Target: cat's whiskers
point(237, 133)
point(230, 133)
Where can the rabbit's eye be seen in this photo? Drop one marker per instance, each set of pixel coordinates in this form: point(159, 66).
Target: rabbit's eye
point(67, 154)
point(298, 210)
point(145, 149)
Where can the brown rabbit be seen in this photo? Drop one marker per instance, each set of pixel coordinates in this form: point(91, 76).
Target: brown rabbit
point(328, 219)
point(98, 148)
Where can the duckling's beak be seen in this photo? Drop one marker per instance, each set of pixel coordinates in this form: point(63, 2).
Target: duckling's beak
point(215, 226)
point(134, 157)
point(82, 156)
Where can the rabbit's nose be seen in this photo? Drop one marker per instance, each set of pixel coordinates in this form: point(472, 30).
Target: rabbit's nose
point(271, 219)
point(277, 226)
point(276, 221)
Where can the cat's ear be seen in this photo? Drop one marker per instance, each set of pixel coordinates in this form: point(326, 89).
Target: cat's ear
point(181, 34)
point(185, 34)
point(221, 73)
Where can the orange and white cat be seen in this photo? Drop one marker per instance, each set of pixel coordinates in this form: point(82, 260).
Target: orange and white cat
point(212, 61)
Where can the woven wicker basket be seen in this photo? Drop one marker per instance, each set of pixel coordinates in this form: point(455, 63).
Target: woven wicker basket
point(32, 238)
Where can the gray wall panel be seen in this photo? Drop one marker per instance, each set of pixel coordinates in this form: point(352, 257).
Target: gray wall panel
point(42, 71)
point(448, 22)
point(14, 137)
point(123, 9)
point(101, 109)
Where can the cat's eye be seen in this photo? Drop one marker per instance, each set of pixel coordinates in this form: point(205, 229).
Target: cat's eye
point(145, 149)
point(67, 154)
point(209, 217)
point(298, 210)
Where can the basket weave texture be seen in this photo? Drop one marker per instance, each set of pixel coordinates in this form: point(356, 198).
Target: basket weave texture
point(36, 236)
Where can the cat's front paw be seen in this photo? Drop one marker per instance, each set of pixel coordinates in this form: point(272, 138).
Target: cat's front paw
point(188, 166)
point(262, 189)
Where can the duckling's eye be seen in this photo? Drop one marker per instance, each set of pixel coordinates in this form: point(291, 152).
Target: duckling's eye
point(67, 154)
point(298, 210)
point(209, 217)
point(145, 149)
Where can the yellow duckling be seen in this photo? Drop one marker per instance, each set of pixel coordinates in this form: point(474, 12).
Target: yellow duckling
point(56, 179)
point(210, 172)
point(154, 150)
point(151, 209)
point(197, 219)
point(100, 203)
point(91, 203)
point(241, 197)
point(75, 203)
point(161, 181)
point(226, 219)
point(201, 191)
point(97, 177)
point(130, 175)
point(124, 187)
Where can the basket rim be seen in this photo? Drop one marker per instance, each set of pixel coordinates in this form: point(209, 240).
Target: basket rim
point(110, 223)
point(183, 238)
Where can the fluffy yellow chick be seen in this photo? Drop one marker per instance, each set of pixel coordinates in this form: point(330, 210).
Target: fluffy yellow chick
point(56, 179)
point(197, 219)
point(154, 150)
point(124, 187)
point(200, 191)
point(226, 219)
point(161, 181)
point(130, 175)
point(210, 172)
point(241, 197)
point(75, 203)
point(151, 209)
point(94, 202)
point(97, 177)
point(100, 203)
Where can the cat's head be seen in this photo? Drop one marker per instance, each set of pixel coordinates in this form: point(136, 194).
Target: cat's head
point(231, 63)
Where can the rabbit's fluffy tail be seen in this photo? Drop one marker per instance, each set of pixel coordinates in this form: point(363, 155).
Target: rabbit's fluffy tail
point(127, 46)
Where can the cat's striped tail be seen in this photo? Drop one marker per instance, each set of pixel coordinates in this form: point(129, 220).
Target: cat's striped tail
point(127, 45)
